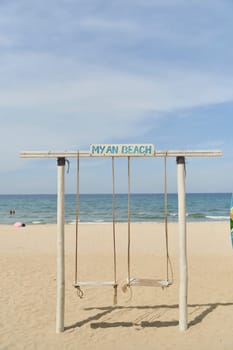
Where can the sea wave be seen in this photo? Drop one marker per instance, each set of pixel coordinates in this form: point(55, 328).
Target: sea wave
point(217, 217)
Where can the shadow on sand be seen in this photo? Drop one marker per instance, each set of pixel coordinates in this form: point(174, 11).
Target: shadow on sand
point(95, 322)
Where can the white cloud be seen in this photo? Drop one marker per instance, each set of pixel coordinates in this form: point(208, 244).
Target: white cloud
point(106, 91)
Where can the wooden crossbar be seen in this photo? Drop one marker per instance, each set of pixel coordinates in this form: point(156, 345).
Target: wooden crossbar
point(87, 154)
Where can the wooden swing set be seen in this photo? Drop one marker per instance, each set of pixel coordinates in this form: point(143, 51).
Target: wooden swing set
point(126, 150)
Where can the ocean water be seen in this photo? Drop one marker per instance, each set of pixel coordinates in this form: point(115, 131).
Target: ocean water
point(97, 208)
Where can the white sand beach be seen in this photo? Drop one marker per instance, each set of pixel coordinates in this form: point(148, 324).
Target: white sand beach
point(147, 318)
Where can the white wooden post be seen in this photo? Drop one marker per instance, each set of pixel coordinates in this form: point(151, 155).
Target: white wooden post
point(60, 246)
point(183, 288)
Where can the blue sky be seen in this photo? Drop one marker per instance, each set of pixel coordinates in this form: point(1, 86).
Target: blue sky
point(76, 72)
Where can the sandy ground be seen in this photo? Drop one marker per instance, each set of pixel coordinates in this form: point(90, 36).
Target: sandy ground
point(146, 318)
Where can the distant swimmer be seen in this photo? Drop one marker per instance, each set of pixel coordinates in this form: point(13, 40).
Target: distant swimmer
point(12, 212)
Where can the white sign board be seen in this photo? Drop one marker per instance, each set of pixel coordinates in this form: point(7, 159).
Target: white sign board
point(122, 150)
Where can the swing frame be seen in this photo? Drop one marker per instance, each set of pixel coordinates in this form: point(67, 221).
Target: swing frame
point(61, 157)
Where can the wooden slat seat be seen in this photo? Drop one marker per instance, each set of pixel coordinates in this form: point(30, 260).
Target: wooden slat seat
point(94, 283)
point(148, 282)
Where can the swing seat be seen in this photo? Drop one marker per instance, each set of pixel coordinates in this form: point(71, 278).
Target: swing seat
point(80, 284)
point(148, 282)
point(94, 283)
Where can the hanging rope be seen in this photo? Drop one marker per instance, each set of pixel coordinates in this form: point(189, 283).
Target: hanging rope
point(79, 290)
point(128, 284)
point(114, 232)
point(129, 218)
point(68, 166)
point(168, 260)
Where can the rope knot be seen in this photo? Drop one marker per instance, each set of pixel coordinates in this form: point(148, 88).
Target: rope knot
point(80, 292)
